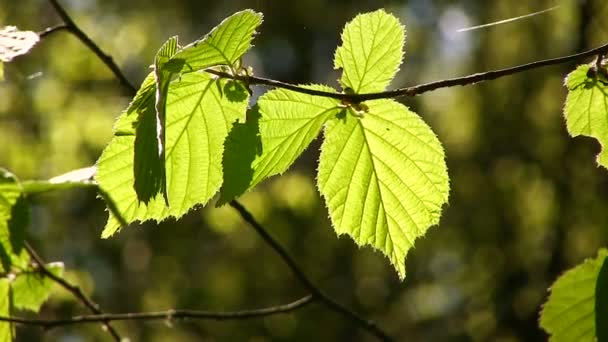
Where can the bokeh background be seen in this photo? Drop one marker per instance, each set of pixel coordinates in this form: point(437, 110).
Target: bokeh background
point(527, 201)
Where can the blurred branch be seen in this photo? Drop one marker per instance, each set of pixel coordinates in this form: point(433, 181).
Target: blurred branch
point(71, 26)
point(417, 89)
point(164, 315)
point(74, 290)
point(368, 325)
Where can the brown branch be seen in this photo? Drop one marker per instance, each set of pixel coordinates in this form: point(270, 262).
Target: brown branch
point(73, 289)
point(366, 324)
point(105, 58)
point(50, 30)
point(164, 315)
point(417, 89)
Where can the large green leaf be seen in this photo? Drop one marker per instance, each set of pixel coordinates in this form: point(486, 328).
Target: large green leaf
point(224, 45)
point(31, 289)
point(14, 217)
point(200, 111)
point(265, 146)
point(384, 178)
point(371, 52)
point(586, 109)
point(7, 330)
point(569, 313)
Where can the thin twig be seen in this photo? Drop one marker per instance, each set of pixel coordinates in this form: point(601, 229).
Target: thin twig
point(73, 289)
point(368, 325)
point(165, 315)
point(106, 59)
point(50, 30)
point(417, 89)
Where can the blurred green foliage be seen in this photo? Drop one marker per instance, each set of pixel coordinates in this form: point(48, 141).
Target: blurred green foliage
point(527, 201)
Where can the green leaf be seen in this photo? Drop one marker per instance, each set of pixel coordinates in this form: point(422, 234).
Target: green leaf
point(288, 122)
point(601, 302)
point(586, 109)
point(569, 313)
point(200, 111)
point(14, 217)
point(31, 289)
point(224, 45)
point(371, 52)
point(16, 42)
point(7, 330)
point(384, 178)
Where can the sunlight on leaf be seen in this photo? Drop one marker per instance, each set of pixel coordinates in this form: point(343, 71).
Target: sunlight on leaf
point(371, 52)
point(224, 45)
point(288, 122)
point(200, 111)
point(586, 109)
point(6, 329)
point(384, 178)
point(569, 313)
point(31, 289)
point(14, 217)
point(14, 42)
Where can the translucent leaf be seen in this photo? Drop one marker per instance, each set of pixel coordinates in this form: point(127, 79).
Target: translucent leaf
point(569, 313)
point(200, 111)
point(14, 217)
point(6, 329)
point(271, 139)
point(14, 42)
point(601, 303)
point(371, 52)
point(586, 109)
point(384, 178)
point(224, 45)
point(31, 289)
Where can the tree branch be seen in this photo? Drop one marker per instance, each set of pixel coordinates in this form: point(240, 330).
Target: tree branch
point(50, 30)
point(74, 290)
point(164, 315)
point(416, 89)
point(368, 325)
point(106, 59)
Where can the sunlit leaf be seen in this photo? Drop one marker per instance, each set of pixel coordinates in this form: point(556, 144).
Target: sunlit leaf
point(569, 313)
point(268, 145)
point(200, 112)
point(224, 45)
point(586, 109)
point(14, 42)
point(6, 329)
point(371, 51)
point(14, 217)
point(31, 289)
point(384, 178)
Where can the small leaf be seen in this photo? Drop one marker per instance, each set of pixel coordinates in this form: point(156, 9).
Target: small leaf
point(224, 45)
point(258, 149)
point(14, 42)
point(7, 330)
point(586, 109)
point(200, 111)
point(31, 289)
point(14, 217)
point(384, 178)
point(371, 52)
point(569, 313)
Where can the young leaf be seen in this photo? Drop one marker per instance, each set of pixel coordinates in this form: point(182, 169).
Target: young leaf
point(569, 313)
point(14, 217)
point(288, 122)
point(200, 111)
point(7, 330)
point(224, 45)
point(14, 42)
point(371, 52)
point(384, 178)
point(586, 109)
point(31, 289)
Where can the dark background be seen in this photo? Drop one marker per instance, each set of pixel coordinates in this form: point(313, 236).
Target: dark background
point(527, 201)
